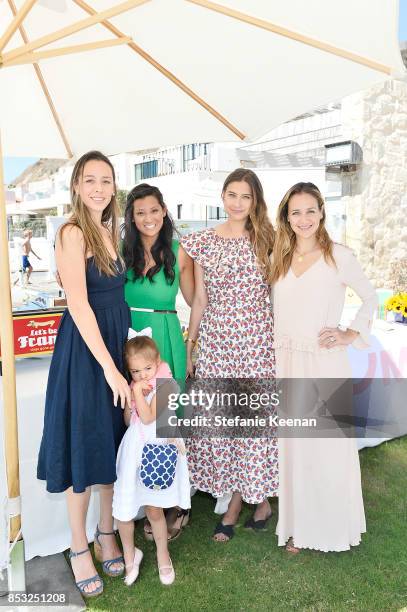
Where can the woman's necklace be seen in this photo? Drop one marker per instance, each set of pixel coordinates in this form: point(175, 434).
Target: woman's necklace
point(300, 256)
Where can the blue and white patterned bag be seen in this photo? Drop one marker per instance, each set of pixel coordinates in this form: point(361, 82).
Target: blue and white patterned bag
point(158, 465)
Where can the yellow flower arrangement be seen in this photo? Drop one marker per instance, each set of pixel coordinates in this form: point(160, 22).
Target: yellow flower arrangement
point(397, 303)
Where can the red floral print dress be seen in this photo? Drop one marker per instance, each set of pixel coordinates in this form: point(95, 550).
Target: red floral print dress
point(235, 341)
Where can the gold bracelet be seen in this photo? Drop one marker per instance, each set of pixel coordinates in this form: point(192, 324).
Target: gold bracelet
point(190, 340)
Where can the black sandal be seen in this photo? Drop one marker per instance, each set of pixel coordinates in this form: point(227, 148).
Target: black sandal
point(259, 525)
point(227, 530)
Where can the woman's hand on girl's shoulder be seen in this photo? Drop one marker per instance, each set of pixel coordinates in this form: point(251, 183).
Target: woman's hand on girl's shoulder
point(118, 385)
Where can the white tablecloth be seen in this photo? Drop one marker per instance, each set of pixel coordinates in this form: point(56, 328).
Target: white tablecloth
point(386, 358)
point(44, 515)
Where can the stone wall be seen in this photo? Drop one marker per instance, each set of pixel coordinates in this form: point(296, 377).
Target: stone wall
point(376, 225)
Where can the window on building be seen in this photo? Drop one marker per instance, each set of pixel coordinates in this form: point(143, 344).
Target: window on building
point(189, 152)
point(216, 212)
point(179, 211)
point(146, 170)
point(193, 151)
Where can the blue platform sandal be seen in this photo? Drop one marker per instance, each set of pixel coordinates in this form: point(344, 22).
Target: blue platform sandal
point(106, 565)
point(82, 584)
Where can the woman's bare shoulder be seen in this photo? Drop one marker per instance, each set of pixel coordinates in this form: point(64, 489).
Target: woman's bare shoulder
point(69, 232)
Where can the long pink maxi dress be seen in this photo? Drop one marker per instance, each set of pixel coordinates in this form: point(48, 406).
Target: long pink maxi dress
point(320, 493)
point(235, 341)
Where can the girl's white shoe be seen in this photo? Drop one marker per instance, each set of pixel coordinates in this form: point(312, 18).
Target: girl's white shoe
point(169, 577)
point(132, 575)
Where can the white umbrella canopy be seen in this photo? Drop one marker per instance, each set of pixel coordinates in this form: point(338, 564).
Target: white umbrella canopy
point(250, 76)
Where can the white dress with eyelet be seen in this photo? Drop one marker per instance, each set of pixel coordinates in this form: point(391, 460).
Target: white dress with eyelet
point(130, 495)
point(320, 493)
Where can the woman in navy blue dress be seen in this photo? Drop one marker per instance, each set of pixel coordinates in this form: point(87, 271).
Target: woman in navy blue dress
point(83, 423)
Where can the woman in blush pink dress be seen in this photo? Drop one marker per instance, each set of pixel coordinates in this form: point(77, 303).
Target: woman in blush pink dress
point(320, 494)
point(231, 310)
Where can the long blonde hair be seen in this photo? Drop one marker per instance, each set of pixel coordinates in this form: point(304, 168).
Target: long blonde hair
point(82, 218)
point(258, 224)
point(285, 238)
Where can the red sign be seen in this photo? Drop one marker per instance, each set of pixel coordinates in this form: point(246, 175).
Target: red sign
point(35, 334)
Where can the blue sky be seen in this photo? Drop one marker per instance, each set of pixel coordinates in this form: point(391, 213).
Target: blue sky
point(403, 20)
point(13, 166)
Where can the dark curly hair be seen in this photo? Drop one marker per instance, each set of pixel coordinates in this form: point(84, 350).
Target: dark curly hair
point(161, 251)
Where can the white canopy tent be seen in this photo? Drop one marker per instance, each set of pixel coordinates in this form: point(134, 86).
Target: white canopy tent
point(191, 73)
point(121, 76)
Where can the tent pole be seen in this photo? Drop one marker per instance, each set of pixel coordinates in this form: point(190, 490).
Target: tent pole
point(34, 57)
point(306, 40)
point(16, 574)
point(169, 75)
point(15, 24)
point(44, 87)
point(72, 29)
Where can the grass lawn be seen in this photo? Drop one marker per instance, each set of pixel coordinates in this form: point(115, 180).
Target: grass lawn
point(252, 573)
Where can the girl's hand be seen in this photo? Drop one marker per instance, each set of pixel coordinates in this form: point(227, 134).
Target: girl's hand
point(118, 385)
point(329, 337)
point(190, 367)
point(142, 386)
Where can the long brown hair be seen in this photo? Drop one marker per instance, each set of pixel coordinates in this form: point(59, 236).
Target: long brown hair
point(285, 238)
point(82, 218)
point(258, 224)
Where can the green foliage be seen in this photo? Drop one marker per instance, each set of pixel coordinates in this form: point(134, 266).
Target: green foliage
point(121, 197)
point(36, 224)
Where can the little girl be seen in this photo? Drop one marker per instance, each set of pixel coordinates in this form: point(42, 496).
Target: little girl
point(130, 493)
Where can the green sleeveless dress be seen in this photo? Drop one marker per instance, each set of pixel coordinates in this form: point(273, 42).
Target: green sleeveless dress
point(159, 295)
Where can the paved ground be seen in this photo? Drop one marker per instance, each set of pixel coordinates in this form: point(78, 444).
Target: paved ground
point(47, 575)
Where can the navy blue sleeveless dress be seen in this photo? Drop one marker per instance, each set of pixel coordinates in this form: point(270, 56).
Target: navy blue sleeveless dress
point(82, 427)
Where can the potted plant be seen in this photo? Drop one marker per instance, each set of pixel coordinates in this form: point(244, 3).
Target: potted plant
point(397, 303)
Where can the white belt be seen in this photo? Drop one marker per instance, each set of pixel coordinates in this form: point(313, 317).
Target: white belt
point(153, 310)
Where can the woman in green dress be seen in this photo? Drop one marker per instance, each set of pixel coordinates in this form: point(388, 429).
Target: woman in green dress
point(157, 266)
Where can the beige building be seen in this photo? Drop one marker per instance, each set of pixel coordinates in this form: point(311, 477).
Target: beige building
point(361, 143)
point(376, 209)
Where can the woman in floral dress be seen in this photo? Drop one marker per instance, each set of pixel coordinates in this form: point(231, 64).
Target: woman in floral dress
point(231, 311)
